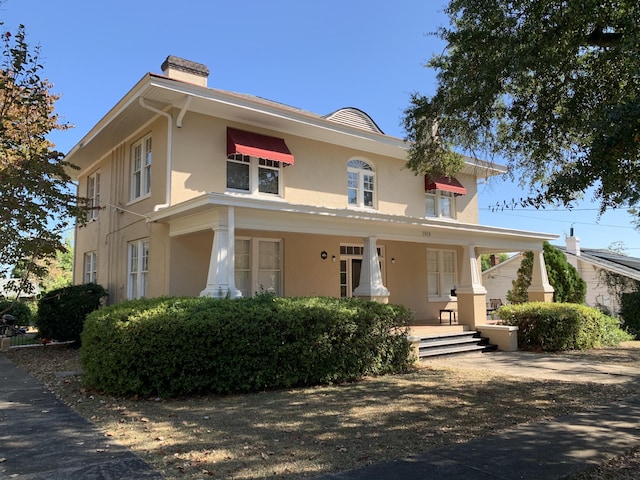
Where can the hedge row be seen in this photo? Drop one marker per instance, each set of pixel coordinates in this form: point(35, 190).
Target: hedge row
point(62, 312)
point(180, 346)
point(555, 327)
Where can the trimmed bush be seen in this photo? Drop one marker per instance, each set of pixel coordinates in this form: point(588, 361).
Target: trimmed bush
point(556, 327)
point(19, 310)
point(181, 346)
point(62, 312)
point(630, 312)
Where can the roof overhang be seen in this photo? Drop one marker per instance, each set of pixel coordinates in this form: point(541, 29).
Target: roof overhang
point(128, 117)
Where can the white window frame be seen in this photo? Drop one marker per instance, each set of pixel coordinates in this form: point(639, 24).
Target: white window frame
point(93, 196)
point(90, 267)
point(141, 160)
point(257, 166)
point(361, 180)
point(137, 268)
point(442, 273)
point(435, 202)
point(255, 266)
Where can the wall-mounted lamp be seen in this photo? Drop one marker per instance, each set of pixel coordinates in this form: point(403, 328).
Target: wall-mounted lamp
point(333, 258)
point(393, 260)
point(323, 255)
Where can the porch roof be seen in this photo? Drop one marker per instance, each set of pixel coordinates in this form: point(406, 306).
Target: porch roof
point(208, 210)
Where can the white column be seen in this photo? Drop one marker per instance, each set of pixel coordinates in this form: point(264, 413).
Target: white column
point(370, 276)
point(470, 278)
point(540, 289)
point(221, 277)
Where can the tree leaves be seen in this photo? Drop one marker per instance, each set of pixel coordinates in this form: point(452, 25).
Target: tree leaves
point(551, 86)
point(37, 202)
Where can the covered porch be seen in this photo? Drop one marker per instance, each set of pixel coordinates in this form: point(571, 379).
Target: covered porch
point(297, 250)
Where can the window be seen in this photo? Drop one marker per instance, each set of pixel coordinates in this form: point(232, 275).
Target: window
point(93, 196)
point(141, 168)
point(360, 184)
point(253, 175)
point(441, 273)
point(90, 267)
point(138, 269)
point(258, 266)
point(439, 203)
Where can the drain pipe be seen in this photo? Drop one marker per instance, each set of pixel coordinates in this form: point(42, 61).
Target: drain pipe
point(169, 149)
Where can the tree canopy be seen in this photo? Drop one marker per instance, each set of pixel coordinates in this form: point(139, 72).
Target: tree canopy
point(551, 87)
point(36, 203)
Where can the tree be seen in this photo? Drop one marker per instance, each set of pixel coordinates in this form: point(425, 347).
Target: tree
point(564, 278)
point(36, 203)
point(549, 86)
point(59, 269)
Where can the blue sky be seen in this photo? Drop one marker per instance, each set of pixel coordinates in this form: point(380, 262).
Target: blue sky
point(319, 56)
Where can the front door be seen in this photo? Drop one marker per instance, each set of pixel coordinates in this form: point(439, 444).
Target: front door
point(349, 275)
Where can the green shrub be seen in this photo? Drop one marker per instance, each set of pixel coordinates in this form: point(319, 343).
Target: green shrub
point(556, 327)
point(20, 310)
point(181, 346)
point(62, 312)
point(630, 312)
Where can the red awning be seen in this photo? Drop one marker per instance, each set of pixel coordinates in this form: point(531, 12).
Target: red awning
point(257, 145)
point(446, 184)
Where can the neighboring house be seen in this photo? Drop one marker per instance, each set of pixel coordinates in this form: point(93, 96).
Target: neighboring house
point(201, 191)
point(590, 263)
point(10, 288)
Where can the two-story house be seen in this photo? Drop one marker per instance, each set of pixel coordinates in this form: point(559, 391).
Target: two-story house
point(200, 191)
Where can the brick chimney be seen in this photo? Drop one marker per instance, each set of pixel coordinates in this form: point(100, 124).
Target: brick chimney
point(573, 243)
point(185, 70)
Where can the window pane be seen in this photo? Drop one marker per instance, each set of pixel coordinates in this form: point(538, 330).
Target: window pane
point(269, 282)
point(445, 207)
point(433, 284)
point(353, 196)
point(368, 199)
point(269, 255)
point(243, 282)
point(268, 180)
point(243, 255)
point(238, 176)
point(430, 205)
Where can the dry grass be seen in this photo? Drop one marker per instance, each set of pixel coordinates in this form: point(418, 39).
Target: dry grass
point(302, 433)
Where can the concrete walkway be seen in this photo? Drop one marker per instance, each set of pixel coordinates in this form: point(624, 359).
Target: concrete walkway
point(41, 438)
point(548, 450)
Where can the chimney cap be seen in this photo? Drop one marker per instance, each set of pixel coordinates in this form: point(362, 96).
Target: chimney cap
point(184, 65)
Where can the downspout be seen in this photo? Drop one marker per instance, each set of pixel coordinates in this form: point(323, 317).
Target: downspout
point(169, 151)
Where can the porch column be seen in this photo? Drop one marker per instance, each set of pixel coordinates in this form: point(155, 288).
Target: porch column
point(371, 286)
point(221, 278)
point(540, 289)
point(472, 296)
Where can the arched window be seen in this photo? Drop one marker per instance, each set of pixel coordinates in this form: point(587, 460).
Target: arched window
point(361, 180)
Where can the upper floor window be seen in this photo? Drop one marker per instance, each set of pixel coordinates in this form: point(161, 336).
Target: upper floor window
point(253, 175)
point(440, 203)
point(141, 168)
point(361, 179)
point(93, 196)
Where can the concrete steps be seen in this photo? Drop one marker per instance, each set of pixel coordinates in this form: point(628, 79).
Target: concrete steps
point(453, 343)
